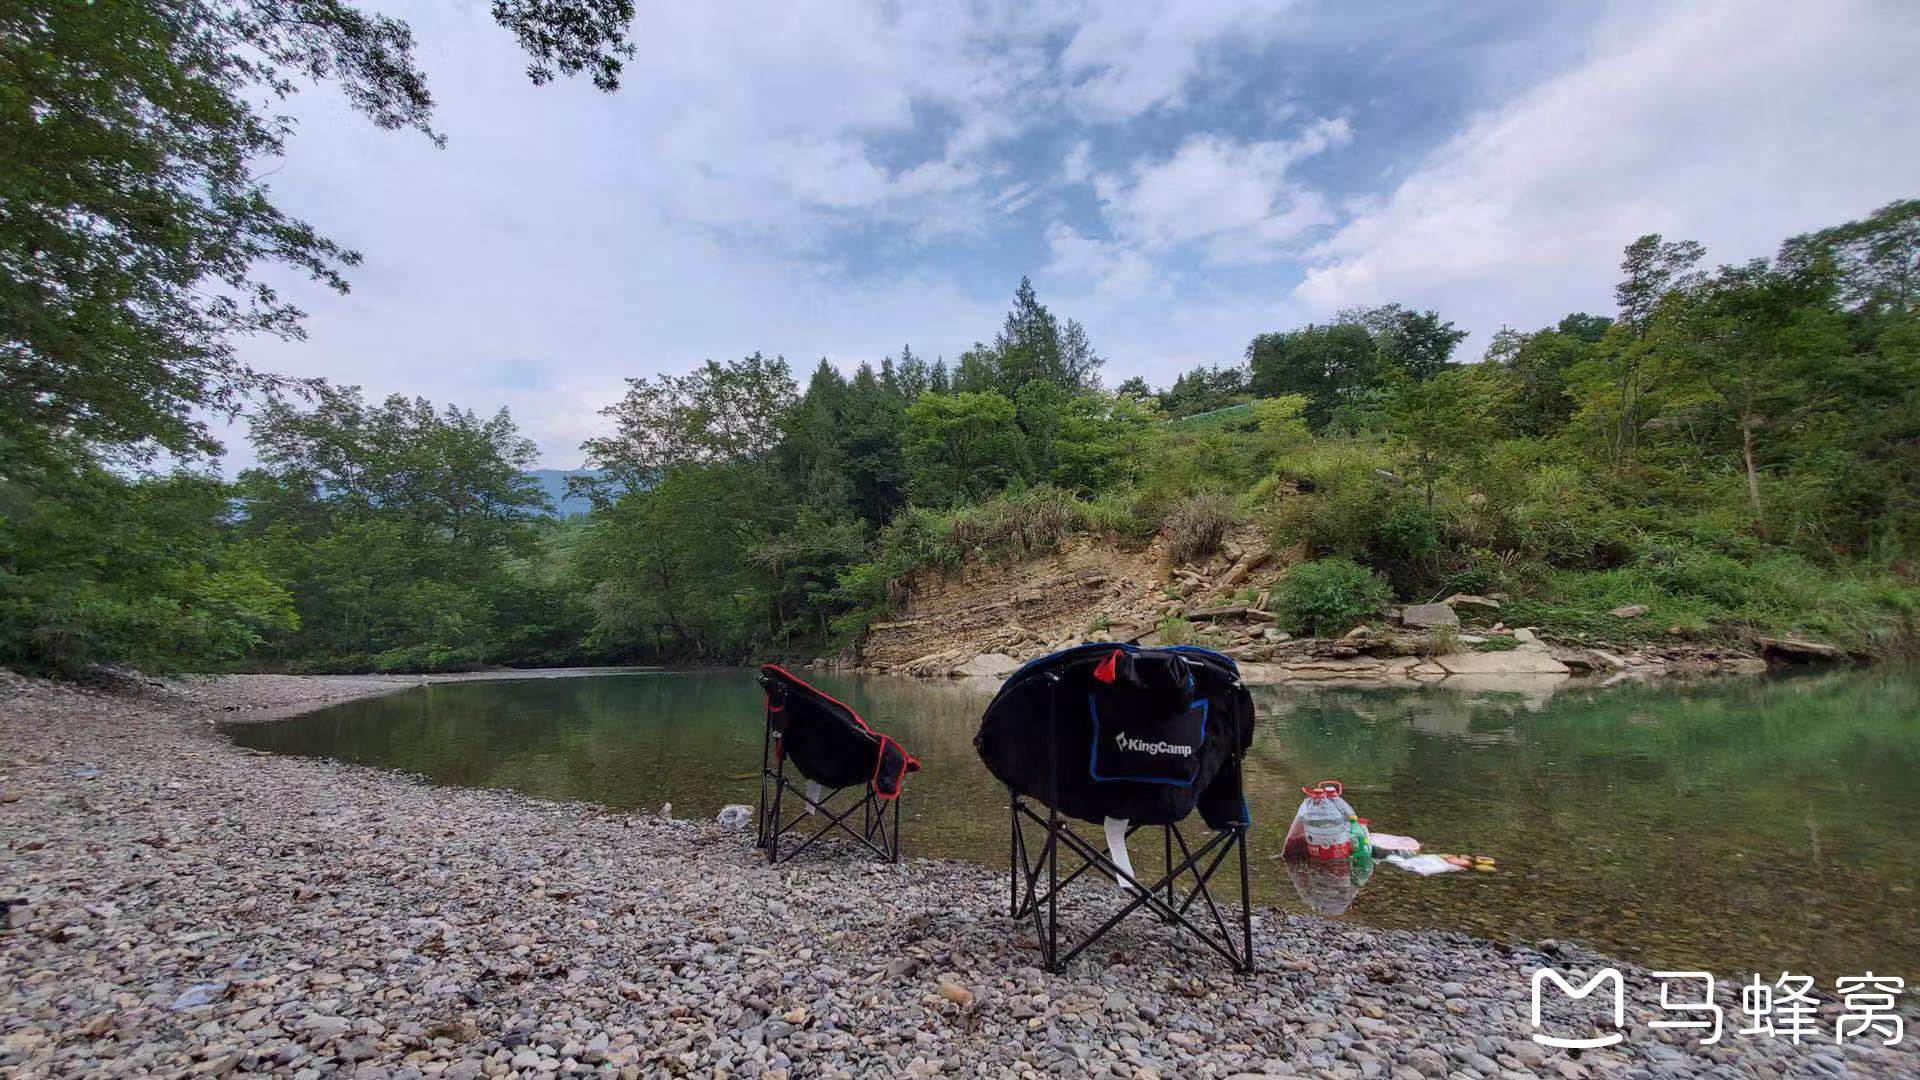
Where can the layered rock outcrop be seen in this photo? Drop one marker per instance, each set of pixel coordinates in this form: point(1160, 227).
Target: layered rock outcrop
point(1090, 589)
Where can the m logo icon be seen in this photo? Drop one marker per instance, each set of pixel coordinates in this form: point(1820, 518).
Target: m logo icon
point(1567, 988)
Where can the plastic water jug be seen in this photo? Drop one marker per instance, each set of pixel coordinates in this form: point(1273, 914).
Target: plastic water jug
point(1328, 821)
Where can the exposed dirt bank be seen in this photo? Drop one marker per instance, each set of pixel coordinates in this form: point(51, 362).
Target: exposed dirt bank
point(991, 615)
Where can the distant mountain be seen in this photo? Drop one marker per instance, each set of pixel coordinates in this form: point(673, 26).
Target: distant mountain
point(555, 483)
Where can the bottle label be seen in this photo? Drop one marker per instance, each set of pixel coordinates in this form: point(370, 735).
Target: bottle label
point(1329, 841)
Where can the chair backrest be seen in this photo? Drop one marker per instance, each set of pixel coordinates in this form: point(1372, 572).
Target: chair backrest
point(827, 741)
point(1115, 730)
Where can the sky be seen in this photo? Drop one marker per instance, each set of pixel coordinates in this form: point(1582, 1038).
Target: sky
point(839, 180)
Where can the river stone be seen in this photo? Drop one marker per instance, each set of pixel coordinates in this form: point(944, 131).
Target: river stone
point(1629, 611)
point(200, 994)
point(1800, 650)
point(990, 665)
point(1511, 662)
point(1428, 616)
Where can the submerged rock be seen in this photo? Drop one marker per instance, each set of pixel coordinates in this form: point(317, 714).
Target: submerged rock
point(990, 665)
point(1522, 661)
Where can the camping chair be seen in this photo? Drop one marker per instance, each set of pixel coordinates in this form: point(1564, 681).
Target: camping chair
point(833, 750)
point(1129, 739)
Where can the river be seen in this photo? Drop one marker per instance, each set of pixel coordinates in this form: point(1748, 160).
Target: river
point(1736, 826)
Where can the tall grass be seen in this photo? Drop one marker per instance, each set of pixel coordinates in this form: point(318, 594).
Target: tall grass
point(1196, 526)
point(1714, 597)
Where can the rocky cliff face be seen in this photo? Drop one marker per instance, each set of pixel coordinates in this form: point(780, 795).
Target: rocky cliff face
point(1091, 589)
point(989, 616)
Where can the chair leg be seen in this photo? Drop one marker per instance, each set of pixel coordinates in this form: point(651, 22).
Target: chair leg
point(1053, 889)
point(766, 743)
point(894, 843)
point(773, 830)
point(1246, 907)
point(874, 833)
point(1210, 926)
point(1166, 839)
point(1016, 863)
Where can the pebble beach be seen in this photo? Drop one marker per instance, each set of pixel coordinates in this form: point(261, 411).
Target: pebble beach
point(177, 906)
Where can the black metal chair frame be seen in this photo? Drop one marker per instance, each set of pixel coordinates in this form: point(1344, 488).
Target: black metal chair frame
point(1164, 896)
point(880, 836)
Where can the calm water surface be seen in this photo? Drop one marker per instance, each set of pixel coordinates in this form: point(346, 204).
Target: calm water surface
point(1753, 825)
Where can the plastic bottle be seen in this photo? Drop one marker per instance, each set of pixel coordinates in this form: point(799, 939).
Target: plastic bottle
point(1362, 841)
point(1329, 832)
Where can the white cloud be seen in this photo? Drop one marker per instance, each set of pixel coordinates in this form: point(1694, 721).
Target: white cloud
point(1732, 124)
point(1077, 166)
point(566, 239)
point(838, 179)
point(1235, 200)
point(1132, 57)
point(1114, 270)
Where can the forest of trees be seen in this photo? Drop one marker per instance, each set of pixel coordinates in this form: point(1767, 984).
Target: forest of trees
point(1737, 447)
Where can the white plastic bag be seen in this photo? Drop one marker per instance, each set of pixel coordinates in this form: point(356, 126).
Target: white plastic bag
point(1424, 865)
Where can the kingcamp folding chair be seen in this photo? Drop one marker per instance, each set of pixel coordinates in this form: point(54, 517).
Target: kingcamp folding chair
point(834, 751)
point(1129, 739)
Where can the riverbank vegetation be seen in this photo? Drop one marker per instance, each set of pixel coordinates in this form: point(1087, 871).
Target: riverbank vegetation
point(1735, 449)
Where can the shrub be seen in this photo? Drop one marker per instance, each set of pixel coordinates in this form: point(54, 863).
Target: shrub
point(1175, 630)
point(1342, 498)
point(1405, 547)
point(1500, 643)
point(1327, 596)
point(1410, 533)
point(1196, 525)
point(1442, 641)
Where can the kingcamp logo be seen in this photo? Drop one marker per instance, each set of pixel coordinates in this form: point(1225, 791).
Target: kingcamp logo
point(1140, 746)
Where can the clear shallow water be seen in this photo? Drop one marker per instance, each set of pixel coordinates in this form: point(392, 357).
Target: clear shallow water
point(1747, 825)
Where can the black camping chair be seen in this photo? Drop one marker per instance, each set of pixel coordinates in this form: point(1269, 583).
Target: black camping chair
point(1148, 736)
point(832, 748)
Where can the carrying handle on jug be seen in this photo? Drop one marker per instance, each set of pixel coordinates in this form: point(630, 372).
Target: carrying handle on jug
point(1321, 789)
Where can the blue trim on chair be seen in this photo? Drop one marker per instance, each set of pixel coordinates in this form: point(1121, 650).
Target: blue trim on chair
point(1125, 646)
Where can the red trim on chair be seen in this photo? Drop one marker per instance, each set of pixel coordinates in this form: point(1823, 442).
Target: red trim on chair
point(824, 694)
point(912, 763)
point(909, 765)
